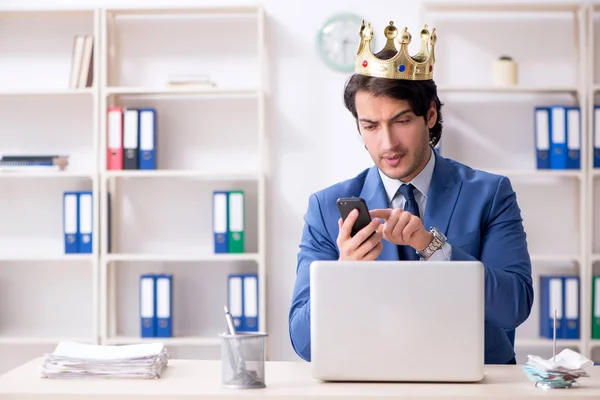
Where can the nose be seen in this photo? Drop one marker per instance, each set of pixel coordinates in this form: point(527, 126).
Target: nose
point(388, 140)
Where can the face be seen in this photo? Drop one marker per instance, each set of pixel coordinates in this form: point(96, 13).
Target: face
point(396, 139)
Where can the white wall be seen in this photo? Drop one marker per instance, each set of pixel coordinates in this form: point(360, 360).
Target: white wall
point(313, 139)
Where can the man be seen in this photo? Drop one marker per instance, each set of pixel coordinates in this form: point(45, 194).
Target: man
point(425, 207)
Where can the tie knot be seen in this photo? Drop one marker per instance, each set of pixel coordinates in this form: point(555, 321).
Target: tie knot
point(407, 191)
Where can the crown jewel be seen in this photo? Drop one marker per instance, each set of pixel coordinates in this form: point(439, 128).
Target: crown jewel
point(401, 65)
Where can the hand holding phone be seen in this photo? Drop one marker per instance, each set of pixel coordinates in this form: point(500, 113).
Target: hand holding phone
point(359, 236)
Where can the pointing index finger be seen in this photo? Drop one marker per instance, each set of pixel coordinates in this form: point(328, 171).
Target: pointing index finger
point(381, 213)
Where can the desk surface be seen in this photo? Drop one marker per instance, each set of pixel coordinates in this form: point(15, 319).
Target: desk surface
point(286, 380)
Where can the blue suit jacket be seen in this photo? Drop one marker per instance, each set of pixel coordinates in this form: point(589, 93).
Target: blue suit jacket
point(478, 213)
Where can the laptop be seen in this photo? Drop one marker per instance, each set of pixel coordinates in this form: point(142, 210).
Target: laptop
point(410, 321)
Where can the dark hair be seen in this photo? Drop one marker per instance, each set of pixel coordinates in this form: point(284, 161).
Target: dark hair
point(419, 95)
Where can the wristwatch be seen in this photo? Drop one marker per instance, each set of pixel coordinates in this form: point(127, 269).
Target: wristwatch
point(436, 243)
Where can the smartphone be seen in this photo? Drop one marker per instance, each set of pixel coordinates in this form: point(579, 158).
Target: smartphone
point(347, 204)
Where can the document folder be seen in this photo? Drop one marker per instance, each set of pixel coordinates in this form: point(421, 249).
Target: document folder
point(551, 297)
point(236, 221)
point(250, 319)
point(86, 222)
point(147, 153)
point(71, 221)
point(558, 139)
point(220, 214)
point(131, 138)
point(573, 138)
point(148, 305)
point(114, 150)
point(542, 137)
point(571, 321)
point(164, 298)
point(235, 299)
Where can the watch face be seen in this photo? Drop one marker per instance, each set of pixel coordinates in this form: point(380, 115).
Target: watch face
point(438, 233)
point(338, 40)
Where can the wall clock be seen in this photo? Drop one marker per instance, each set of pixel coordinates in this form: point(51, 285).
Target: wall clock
point(337, 41)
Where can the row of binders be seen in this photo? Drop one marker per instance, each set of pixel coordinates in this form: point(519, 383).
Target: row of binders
point(78, 222)
point(558, 137)
point(228, 221)
point(131, 138)
point(156, 304)
point(561, 293)
point(242, 301)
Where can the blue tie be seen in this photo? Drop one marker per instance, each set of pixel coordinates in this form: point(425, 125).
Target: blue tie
point(411, 205)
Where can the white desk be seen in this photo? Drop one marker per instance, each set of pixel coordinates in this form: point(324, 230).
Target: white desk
point(186, 379)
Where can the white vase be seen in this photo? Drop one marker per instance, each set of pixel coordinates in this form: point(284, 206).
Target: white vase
point(505, 72)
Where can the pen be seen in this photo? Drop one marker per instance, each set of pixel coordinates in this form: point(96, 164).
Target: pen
point(229, 320)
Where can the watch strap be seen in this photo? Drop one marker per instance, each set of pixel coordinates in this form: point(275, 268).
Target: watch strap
point(436, 243)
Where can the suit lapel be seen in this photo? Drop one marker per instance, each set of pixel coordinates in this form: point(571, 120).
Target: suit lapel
point(374, 194)
point(442, 196)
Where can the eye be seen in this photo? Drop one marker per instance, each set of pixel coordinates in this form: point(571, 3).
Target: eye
point(402, 121)
point(368, 127)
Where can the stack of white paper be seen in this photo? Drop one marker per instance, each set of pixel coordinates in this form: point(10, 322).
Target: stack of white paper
point(78, 360)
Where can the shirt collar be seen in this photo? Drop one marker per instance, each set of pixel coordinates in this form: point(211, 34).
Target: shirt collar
point(422, 181)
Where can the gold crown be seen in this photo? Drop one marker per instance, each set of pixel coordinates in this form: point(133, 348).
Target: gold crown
point(401, 65)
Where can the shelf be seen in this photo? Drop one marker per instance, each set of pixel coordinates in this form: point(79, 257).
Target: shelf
point(183, 257)
point(534, 173)
point(500, 6)
point(40, 173)
point(183, 90)
point(46, 257)
point(203, 11)
point(181, 341)
point(596, 172)
point(539, 342)
point(508, 89)
point(24, 340)
point(594, 343)
point(54, 12)
point(46, 92)
point(595, 257)
point(173, 173)
point(555, 258)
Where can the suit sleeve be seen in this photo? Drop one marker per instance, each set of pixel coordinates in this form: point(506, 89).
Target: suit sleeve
point(508, 283)
point(316, 244)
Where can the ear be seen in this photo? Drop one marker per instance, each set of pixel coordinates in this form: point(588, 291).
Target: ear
point(431, 115)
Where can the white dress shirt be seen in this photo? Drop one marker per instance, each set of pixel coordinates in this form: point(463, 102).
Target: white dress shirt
point(421, 183)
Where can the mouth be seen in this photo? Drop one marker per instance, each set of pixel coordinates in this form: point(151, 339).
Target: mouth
point(393, 160)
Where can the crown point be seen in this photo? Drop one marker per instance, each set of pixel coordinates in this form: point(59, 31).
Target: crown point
point(390, 31)
point(367, 32)
point(365, 63)
point(405, 36)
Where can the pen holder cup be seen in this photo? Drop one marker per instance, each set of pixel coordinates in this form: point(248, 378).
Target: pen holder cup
point(243, 360)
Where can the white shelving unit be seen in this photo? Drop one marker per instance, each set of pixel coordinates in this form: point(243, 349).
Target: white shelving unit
point(593, 178)
point(208, 138)
point(491, 128)
point(45, 294)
